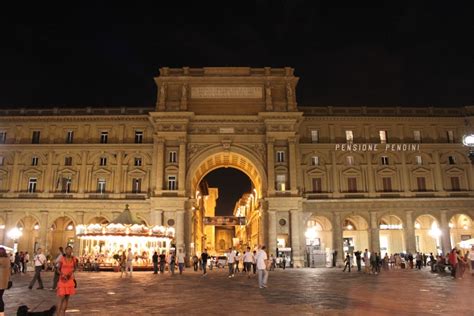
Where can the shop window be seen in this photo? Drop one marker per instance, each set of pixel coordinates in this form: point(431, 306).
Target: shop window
point(421, 183)
point(317, 185)
point(138, 137)
point(104, 137)
point(352, 184)
point(32, 185)
point(387, 184)
point(280, 156)
point(69, 137)
point(35, 139)
point(455, 184)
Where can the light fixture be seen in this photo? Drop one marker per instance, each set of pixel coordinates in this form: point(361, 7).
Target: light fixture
point(350, 227)
point(465, 227)
point(451, 225)
point(2, 226)
point(70, 227)
point(310, 233)
point(417, 225)
point(468, 140)
point(15, 233)
point(36, 227)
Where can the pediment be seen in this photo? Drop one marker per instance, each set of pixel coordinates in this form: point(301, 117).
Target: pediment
point(136, 172)
point(316, 170)
point(67, 170)
point(3, 172)
point(454, 171)
point(351, 172)
point(102, 171)
point(386, 171)
point(421, 170)
point(32, 171)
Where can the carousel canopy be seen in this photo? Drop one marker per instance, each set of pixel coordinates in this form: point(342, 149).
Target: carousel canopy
point(127, 218)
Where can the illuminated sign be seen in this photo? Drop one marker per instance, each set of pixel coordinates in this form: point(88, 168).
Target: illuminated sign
point(378, 147)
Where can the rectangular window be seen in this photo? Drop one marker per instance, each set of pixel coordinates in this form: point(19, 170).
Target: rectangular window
point(350, 160)
point(32, 185)
point(315, 160)
point(421, 183)
point(384, 160)
point(138, 137)
point(138, 161)
point(172, 156)
point(68, 161)
point(34, 161)
point(452, 160)
point(315, 136)
point(35, 139)
point(450, 136)
point(455, 184)
point(3, 137)
point(104, 137)
point(417, 136)
point(136, 185)
point(103, 161)
point(101, 184)
point(349, 136)
point(383, 137)
point(2, 160)
point(352, 184)
point(172, 183)
point(280, 156)
point(281, 182)
point(70, 137)
point(317, 185)
point(418, 160)
point(387, 184)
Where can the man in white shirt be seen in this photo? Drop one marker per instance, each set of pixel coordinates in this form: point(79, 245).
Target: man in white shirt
point(231, 262)
point(129, 265)
point(248, 261)
point(39, 260)
point(262, 260)
point(180, 261)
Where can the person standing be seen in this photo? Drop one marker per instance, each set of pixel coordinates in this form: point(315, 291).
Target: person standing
point(284, 262)
point(66, 285)
point(39, 260)
point(262, 261)
point(453, 261)
point(248, 261)
point(162, 262)
point(5, 272)
point(419, 260)
point(180, 261)
point(123, 264)
point(366, 261)
point(231, 262)
point(334, 258)
point(26, 259)
point(348, 263)
point(358, 254)
point(172, 262)
point(195, 262)
point(204, 257)
point(56, 268)
point(155, 262)
point(129, 261)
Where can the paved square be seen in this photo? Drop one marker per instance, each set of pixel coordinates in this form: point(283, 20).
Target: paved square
point(290, 292)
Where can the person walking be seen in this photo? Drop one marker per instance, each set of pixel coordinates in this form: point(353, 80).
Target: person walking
point(180, 261)
point(284, 262)
point(129, 267)
point(348, 263)
point(204, 257)
point(154, 259)
point(39, 260)
point(172, 263)
point(419, 260)
point(358, 254)
point(162, 262)
point(248, 261)
point(123, 264)
point(453, 261)
point(366, 261)
point(195, 262)
point(5, 272)
point(56, 268)
point(66, 284)
point(231, 262)
point(27, 260)
point(262, 261)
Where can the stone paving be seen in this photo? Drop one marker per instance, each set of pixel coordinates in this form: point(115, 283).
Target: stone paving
point(290, 292)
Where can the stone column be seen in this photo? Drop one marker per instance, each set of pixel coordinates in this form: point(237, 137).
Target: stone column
point(160, 148)
point(77, 241)
point(370, 175)
point(337, 238)
point(48, 183)
point(180, 230)
point(335, 175)
point(405, 176)
point(272, 237)
point(182, 167)
point(43, 231)
point(295, 218)
point(156, 217)
point(374, 233)
point(83, 173)
point(271, 166)
point(438, 180)
point(409, 230)
point(292, 165)
point(8, 225)
point(15, 177)
point(118, 174)
point(445, 233)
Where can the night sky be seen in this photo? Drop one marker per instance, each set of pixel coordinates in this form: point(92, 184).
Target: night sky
point(103, 55)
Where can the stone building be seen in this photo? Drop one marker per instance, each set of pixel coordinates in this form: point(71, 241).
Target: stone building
point(385, 178)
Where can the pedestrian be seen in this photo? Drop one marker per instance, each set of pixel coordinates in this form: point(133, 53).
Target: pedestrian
point(248, 261)
point(231, 262)
point(39, 261)
point(22, 262)
point(172, 262)
point(262, 261)
point(366, 261)
point(471, 257)
point(180, 261)
point(373, 262)
point(195, 262)
point(254, 263)
point(56, 268)
point(419, 260)
point(162, 262)
point(461, 265)
point(358, 254)
point(385, 262)
point(284, 261)
point(348, 263)
point(424, 258)
point(237, 262)
point(129, 267)
point(67, 283)
point(204, 257)
point(453, 261)
point(272, 262)
point(378, 262)
point(16, 265)
point(334, 258)
point(27, 259)
point(5, 273)
point(155, 262)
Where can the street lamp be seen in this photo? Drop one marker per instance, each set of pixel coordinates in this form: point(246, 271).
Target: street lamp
point(468, 140)
point(15, 234)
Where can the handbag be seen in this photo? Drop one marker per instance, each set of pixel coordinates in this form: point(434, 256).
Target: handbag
point(10, 284)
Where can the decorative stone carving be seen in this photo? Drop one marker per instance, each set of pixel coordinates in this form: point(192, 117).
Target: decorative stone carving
point(194, 149)
point(258, 149)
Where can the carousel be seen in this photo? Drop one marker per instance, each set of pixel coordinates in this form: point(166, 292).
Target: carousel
point(102, 244)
